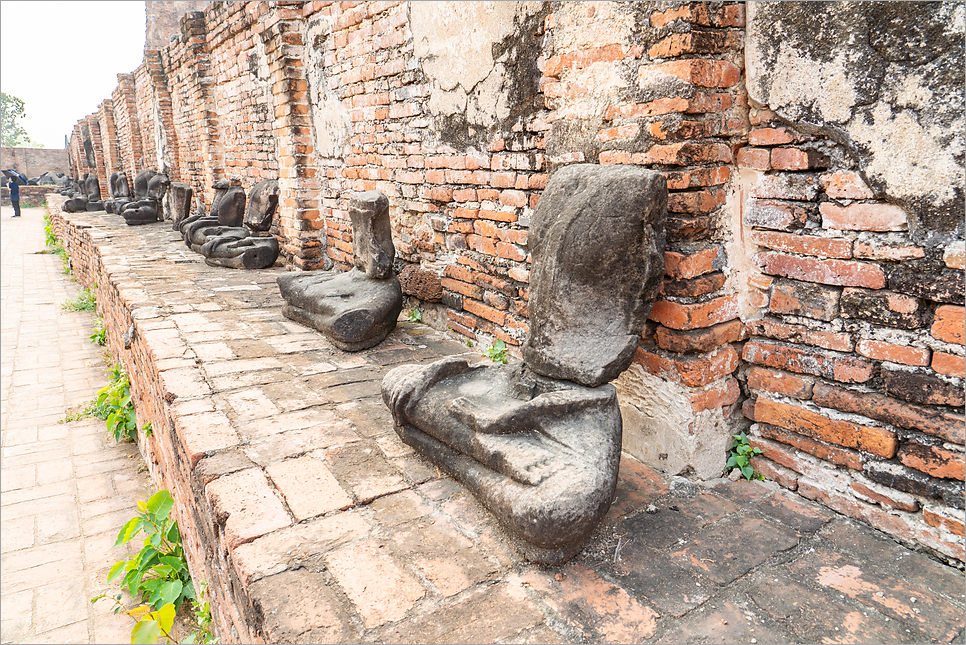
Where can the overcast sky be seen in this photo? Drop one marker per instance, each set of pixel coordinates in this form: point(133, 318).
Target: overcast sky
point(62, 59)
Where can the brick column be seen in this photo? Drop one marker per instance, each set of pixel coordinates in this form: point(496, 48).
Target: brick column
point(112, 159)
point(127, 127)
point(300, 219)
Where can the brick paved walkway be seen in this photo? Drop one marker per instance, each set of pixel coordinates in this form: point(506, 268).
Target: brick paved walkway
point(332, 530)
point(65, 491)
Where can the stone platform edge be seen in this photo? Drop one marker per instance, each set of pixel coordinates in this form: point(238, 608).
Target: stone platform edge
point(167, 391)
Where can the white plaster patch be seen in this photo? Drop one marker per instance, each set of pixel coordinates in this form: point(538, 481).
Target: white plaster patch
point(662, 430)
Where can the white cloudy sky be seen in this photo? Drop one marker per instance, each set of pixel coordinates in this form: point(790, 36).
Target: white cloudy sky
point(62, 59)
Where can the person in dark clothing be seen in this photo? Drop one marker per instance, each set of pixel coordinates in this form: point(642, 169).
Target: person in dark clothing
point(16, 179)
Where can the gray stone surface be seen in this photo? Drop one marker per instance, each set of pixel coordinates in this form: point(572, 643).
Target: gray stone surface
point(262, 204)
point(372, 247)
point(179, 203)
point(356, 309)
point(541, 454)
point(597, 241)
point(149, 189)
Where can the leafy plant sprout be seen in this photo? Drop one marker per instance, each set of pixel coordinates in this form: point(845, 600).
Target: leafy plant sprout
point(740, 456)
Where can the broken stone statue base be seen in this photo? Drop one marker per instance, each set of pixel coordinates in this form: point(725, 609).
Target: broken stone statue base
point(352, 310)
point(541, 454)
point(236, 248)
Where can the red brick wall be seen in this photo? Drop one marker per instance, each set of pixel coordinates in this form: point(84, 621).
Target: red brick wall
point(854, 372)
point(791, 293)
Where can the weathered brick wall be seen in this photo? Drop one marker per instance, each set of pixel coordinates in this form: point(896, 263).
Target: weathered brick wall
point(794, 292)
point(33, 162)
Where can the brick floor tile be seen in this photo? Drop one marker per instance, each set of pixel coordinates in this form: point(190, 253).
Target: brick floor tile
point(724, 623)
point(183, 383)
point(95, 487)
point(205, 432)
point(416, 468)
point(16, 610)
point(18, 477)
point(111, 504)
point(818, 616)
point(107, 522)
point(398, 508)
point(795, 512)
point(247, 379)
point(717, 554)
point(370, 416)
point(20, 436)
point(653, 576)
point(637, 486)
point(57, 526)
point(488, 615)
point(301, 419)
point(308, 487)
point(74, 633)
point(363, 471)
point(916, 607)
point(676, 519)
point(63, 603)
point(209, 352)
point(291, 396)
point(300, 607)
point(305, 541)
point(37, 506)
point(448, 559)
point(252, 404)
point(880, 550)
point(16, 534)
point(379, 588)
point(246, 504)
point(742, 491)
point(297, 442)
point(600, 610)
point(37, 576)
point(221, 368)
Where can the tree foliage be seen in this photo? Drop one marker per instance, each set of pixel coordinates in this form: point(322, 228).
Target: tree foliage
point(13, 134)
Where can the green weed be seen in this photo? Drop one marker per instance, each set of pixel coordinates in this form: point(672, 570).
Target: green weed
point(740, 456)
point(116, 397)
point(86, 300)
point(99, 337)
point(414, 315)
point(498, 352)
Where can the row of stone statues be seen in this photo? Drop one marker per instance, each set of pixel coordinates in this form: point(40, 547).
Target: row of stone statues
point(143, 208)
point(538, 443)
point(231, 234)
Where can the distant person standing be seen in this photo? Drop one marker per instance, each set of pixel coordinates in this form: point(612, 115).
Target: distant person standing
point(15, 180)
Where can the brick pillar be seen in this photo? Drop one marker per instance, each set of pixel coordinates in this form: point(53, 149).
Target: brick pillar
point(127, 126)
point(162, 120)
point(301, 223)
point(112, 159)
point(99, 167)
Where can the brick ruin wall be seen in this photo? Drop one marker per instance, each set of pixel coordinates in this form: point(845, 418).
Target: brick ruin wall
point(33, 162)
point(814, 287)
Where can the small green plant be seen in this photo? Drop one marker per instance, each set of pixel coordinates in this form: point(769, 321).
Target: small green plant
point(149, 626)
point(116, 397)
point(740, 456)
point(148, 430)
point(50, 239)
point(158, 574)
point(498, 352)
point(202, 616)
point(86, 300)
point(99, 337)
point(414, 315)
point(92, 410)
